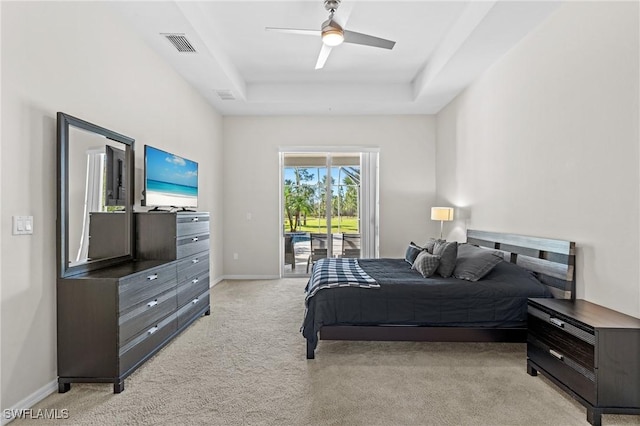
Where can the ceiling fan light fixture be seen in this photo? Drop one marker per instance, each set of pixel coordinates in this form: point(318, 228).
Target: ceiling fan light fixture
point(332, 37)
point(332, 33)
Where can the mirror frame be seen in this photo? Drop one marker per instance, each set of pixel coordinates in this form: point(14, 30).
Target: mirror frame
point(62, 220)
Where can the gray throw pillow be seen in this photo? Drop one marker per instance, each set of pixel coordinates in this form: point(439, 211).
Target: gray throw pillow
point(474, 262)
point(426, 263)
point(412, 252)
point(448, 252)
point(431, 242)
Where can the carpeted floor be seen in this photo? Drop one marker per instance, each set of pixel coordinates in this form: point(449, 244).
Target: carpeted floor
point(245, 365)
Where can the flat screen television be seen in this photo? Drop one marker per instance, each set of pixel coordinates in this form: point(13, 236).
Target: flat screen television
point(115, 172)
point(169, 180)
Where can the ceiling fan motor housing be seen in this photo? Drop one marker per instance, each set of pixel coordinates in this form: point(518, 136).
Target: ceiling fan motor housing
point(331, 5)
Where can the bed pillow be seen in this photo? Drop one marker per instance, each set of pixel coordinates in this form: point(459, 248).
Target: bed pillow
point(426, 263)
point(431, 242)
point(412, 252)
point(448, 252)
point(474, 262)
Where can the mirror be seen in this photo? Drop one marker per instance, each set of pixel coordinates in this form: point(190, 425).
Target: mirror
point(95, 196)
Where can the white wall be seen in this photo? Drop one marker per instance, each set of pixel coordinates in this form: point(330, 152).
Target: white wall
point(407, 180)
point(79, 58)
point(546, 144)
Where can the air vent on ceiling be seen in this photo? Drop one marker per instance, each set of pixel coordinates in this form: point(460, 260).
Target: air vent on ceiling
point(225, 95)
point(180, 42)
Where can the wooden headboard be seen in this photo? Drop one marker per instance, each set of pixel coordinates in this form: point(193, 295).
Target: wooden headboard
point(552, 261)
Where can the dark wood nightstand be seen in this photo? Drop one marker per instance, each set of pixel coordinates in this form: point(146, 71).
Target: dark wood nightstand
point(589, 351)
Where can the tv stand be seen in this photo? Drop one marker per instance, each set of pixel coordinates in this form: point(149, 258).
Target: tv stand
point(158, 209)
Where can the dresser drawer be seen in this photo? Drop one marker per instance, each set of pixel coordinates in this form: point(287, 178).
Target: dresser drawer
point(145, 285)
point(197, 304)
point(146, 314)
point(193, 266)
point(190, 289)
point(556, 365)
point(186, 246)
point(147, 341)
point(189, 224)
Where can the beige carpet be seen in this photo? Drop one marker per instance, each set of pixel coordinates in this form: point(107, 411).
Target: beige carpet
point(245, 365)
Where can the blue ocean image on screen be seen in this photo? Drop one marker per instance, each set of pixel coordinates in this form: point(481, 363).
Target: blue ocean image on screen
point(169, 175)
point(171, 188)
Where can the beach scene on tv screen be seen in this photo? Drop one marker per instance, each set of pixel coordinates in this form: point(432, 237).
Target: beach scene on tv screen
point(171, 180)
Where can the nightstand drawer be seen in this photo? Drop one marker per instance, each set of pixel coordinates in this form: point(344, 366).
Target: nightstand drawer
point(559, 340)
point(555, 364)
point(586, 334)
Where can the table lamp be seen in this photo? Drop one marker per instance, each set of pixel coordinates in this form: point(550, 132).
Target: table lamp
point(441, 214)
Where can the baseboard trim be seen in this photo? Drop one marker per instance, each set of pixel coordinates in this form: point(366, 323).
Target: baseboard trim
point(251, 277)
point(216, 281)
point(8, 414)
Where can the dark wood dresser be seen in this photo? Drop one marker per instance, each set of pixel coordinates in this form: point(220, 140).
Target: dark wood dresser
point(589, 351)
point(111, 320)
point(182, 237)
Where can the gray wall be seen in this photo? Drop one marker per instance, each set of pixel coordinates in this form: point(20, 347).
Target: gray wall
point(546, 144)
point(79, 58)
point(407, 180)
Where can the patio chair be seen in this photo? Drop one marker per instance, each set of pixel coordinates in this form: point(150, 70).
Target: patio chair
point(319, 244)
point(289, 252)
point(351, 245)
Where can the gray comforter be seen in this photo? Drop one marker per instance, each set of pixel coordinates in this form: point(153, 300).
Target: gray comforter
point(406, 298)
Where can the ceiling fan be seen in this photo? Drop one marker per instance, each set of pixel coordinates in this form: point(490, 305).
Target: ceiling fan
point(333, 34)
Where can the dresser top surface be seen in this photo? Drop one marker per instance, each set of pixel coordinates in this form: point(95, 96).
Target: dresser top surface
point(588, 313)
point(121, 270)
point(178, 213)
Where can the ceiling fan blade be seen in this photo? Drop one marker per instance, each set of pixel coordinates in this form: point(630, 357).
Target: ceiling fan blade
point(322, 57)
point(295, 31)
point(367, 40)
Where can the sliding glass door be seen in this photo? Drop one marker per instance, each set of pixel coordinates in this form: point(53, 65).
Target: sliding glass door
point(321, 208)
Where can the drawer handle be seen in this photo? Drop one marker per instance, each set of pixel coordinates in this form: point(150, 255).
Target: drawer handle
point(152, 303)
point(152, 277)
point(196, 260)
point(194, 301)
point(152, 330)
point(195, 219)
point(556, 322)
point(556, 354)
point(194, 281)
point(194, 239)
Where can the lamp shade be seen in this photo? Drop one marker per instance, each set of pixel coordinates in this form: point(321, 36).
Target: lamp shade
point(442, 213)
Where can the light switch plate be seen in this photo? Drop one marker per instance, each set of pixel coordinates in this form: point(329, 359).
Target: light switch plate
point(22, 225)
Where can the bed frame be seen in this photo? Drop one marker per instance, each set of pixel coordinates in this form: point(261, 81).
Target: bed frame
point(552, 261)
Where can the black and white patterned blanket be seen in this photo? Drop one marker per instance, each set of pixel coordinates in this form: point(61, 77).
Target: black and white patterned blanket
point(330, 273)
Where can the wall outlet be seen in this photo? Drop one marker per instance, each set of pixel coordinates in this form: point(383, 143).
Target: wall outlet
point(235, 256)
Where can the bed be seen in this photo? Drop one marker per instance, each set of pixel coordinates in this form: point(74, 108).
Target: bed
point(399, 304)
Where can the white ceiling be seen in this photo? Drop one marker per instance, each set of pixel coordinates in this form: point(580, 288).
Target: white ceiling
point(441, 47)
